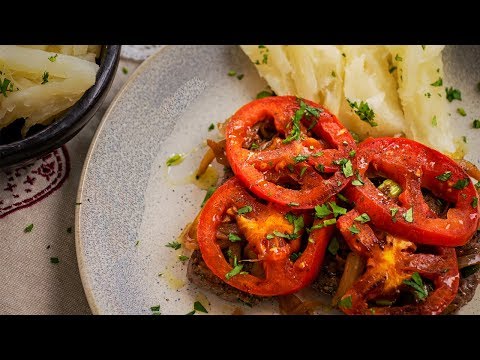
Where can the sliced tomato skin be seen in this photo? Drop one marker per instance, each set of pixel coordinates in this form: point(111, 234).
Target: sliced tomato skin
point(282, 108)
point(282, 276)
point(441, 268)
point(414, 166)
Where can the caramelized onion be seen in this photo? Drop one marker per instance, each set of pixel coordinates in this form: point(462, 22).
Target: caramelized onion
point(189, 235)
point(292, 305)
point(469, 168)
point(206, 160)
point(468, 260)
point(219, 150)
point(354, 267)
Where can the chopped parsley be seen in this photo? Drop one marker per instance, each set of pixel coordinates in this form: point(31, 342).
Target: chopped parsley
point(237, 268)
point(302, 172)
point(333, 74)
point(211, 127)
point(6, 85)
point(197, 306)
point(244, 210)
point(295, 256)
point(232, 73)
point(333, 246)
point(28, 228)
point(424, 47)
point(428, 95)
point(234, 237)
point(342, 197)
point(45, 77)
point(352, 153)
point(321, 211)
point(304, 110)
point(358, 181)
point(182, 258)
point(337, 210)
point(191, 313)
point(240, 76)
point(461, 184)
point(392, 69)
point(363, 218)
point(461, 111)
point(445, 176)
point(364, 112)
point(416, 283)
point(137, 242)
point(264, 94)
point(155, 310)
point(125, 70)
point(439, 82)
point(174, 245)
point(393, 212)
point(398, 58)
point(464, 138)
point(476, 124)
point(209, 193)
point(317, 154)
point(354, 230)
point(54, 260)
point(270, 236)
point(453, 94)
point(434, 120)
point(321, 168)
point(300, 158)
point(346, 302)
point(474, 202)
point(175, 159)
point(408, 215)
point(254, 146)
point(347, 169)
point(53, 58)
point(329, 222)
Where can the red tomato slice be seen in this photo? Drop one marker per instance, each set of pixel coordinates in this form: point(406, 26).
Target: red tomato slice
point(303, 165)
point(414, 166)
point(392, 264)
point(264, 230)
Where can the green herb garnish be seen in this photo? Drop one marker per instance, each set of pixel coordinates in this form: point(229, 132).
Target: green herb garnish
point(416, 283)
point(234, 237)
point(333, 246)
point(461, 184)
point(174, 245)
point(439, 82)
point(364, 112)
point(53, 58)
point(354, 230)
point(28, 228)
point(175, 159)
point(211, 127)
point(476, 124)
point(264, 94)
point(54, 260)
point(197, 306)
point(300, 158)
point(237, 268)
point(444, 177)
point(345, 302)
point(453, 94)
point(461, 111)
point(209, 193)
point(363, 218)
point(408, 215)
point(45, 77)
point(182, 258)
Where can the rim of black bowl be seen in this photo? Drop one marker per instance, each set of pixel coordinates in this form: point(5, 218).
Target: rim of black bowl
point(66, 127)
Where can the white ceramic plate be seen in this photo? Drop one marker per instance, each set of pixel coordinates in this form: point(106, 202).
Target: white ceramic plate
point(132, 206)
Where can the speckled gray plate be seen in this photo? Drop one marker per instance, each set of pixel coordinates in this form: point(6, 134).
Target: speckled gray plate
point(131, 206)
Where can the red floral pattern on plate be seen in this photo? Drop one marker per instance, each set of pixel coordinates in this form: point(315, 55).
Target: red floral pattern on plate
point(26, 185)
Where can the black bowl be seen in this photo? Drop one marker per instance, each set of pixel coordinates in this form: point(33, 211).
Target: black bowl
point(67, 126)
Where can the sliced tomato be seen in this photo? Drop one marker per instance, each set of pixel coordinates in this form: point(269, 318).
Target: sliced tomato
point(303, 164)
point(415, 167)
point(264, 231)
point(394, 264)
